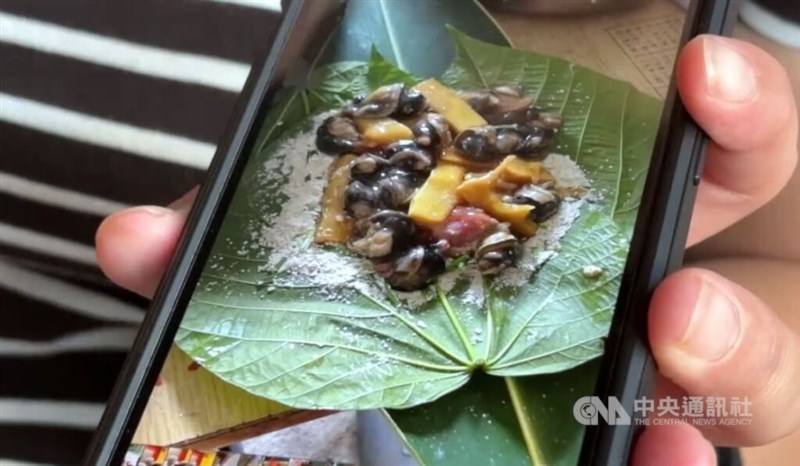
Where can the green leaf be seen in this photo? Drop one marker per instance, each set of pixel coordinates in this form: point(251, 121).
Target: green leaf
point(480, 423)
point(559, 320)
point(356, 349)
point(363, 347)
point(609, 126)
point(410, 34)
point(382, 72)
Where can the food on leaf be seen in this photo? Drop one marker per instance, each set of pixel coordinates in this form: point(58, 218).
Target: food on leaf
point(393, 99)
point(486, 144)
point(438, 174)
point(497, 251)
point(507, 105)
point(335, 226)
point(464, 228)
point(432, 130)
point(521, 171)
point(437, 197)
point(481, 191)
point(455, 110)
point(383, 130)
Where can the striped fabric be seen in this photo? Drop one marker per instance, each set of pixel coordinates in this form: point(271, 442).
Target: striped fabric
point(103, 104)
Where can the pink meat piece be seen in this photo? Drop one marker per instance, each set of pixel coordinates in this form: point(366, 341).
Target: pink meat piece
point(464, 227)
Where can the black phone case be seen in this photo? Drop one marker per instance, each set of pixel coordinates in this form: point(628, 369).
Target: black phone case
point(627, 370)
point(658, 247)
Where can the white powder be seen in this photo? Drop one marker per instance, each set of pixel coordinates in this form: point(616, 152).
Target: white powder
point(289, 234)
point(299, 261)
point(566, 172)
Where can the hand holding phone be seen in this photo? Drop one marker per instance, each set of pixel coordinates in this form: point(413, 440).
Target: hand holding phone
point(703, 102)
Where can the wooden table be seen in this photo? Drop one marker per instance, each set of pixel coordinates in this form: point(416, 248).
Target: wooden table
point(194, 408)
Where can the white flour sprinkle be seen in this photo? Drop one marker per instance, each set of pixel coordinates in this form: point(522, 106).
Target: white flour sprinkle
point(289, 234)
point(566, 172)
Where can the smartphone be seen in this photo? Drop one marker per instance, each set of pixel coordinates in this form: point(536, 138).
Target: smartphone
point(447, 216)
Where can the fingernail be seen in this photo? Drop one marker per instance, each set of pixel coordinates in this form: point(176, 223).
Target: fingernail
point(184, 204)
point(153, 210)
point(729, 76)
point(714, 326)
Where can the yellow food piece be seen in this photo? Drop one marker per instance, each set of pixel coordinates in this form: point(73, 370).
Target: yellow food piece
point(383, 130)
point(481, 192)
point(521, 171)
point(436, 198)
point(335, 226)
point(452, 156)
point(456, 111)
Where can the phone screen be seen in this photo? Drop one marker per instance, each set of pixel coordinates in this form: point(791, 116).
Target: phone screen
point(431, 229)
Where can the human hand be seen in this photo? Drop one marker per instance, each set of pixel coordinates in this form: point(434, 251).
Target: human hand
point(710, 337)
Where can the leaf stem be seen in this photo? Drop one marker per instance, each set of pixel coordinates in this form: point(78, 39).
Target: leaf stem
point(462, 334)
point(523, 417)
point(392, 39)
point(487, 302)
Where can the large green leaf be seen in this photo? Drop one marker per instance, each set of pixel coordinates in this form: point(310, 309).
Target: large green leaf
point(361, 346)
point(357, 350)
point(479, 424)
point(411, 34)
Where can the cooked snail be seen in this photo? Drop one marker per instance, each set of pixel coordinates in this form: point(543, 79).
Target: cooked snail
point(367, 166)
point(544, 201)
point(395, 188)
point(360, 200)
point(497, 251)
point(411, 158)
point(394, 99)
point(388, 232)
point(415, 269)
point(487, 144)
point(507, 105)
point(431, 130)
point(338, 135)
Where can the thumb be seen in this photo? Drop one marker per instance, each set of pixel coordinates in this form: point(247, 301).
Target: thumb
point(134, 246)
point(714, 338)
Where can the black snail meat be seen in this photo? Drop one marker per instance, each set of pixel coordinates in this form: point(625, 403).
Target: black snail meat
point(492, 143)
point(497, 251)
point(415, 269)
point(367, 166)
point(508, 105)
point(414, 159)
point(339, 135)
point(432, 130)
point(545, 201)
point(391, 100)
point(388, 232)
point(396, 140)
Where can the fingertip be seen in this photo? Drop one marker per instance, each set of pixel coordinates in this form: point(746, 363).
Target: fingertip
point(669, 445)
point(738, 93)
point(134, 246)
point(671, 307)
